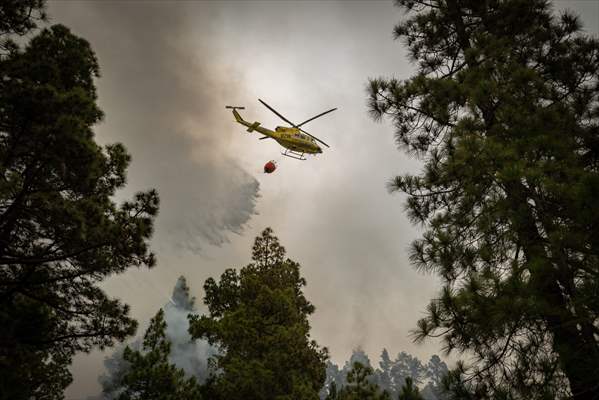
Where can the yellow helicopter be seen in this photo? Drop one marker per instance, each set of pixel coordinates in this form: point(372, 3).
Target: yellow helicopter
point(295, 140)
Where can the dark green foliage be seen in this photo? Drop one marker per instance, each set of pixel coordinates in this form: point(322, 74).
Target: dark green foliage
point(360, 385)
point(504, 113)
point(30, 371)
point(150, 375)
point(19, 17)
point(410, 391)
point(116, 368)
point(258, 317)
point(60, 231)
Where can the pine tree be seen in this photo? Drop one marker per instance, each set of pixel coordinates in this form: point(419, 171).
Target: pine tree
point(258, 318)
point(504, 113)
point(406, 366)
point(116, 367)
point(435, 371)
point(61, 233)
point(334, 378)
point(409, 391)
point(150, 375)
point(384, 377)
point(358, 355)
point(360, 385)
point(332, 393)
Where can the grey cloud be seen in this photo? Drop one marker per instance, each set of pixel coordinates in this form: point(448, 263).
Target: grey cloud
point(161, 95)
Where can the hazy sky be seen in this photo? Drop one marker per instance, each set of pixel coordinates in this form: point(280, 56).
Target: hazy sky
point(169, 68)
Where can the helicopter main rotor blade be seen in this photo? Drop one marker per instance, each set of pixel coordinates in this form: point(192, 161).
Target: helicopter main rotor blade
point(275, 111)
point(313, 118)
point(314, 137)
point(297, 126)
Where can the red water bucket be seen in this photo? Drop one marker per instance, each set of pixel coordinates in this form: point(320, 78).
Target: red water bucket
point(269, 167)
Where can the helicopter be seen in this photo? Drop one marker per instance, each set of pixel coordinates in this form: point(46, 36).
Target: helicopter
point(294, 139)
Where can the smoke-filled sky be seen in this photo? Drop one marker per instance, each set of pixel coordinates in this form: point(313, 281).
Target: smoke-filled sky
point(169, 68)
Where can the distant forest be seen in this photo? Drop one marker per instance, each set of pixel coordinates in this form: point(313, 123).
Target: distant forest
point(192, 357)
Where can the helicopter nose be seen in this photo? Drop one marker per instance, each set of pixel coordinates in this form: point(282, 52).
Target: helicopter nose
point(319, 150)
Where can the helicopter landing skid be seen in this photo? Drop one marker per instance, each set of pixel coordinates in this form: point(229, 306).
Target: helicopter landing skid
point(294, 154)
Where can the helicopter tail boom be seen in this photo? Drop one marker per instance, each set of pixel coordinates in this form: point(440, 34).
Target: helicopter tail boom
point(253, 126)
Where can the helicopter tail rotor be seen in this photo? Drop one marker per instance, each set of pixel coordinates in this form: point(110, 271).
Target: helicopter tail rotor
point(236, 114)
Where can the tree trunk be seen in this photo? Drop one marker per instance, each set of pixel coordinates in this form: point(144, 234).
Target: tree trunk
point(578, 354)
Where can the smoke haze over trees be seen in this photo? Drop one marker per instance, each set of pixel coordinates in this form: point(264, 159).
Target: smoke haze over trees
point(264, 298)
point(391, 373)
point(185, 353)
point(150, 375)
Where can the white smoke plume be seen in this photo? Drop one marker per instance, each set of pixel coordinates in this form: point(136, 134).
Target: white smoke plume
point(190, 355)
